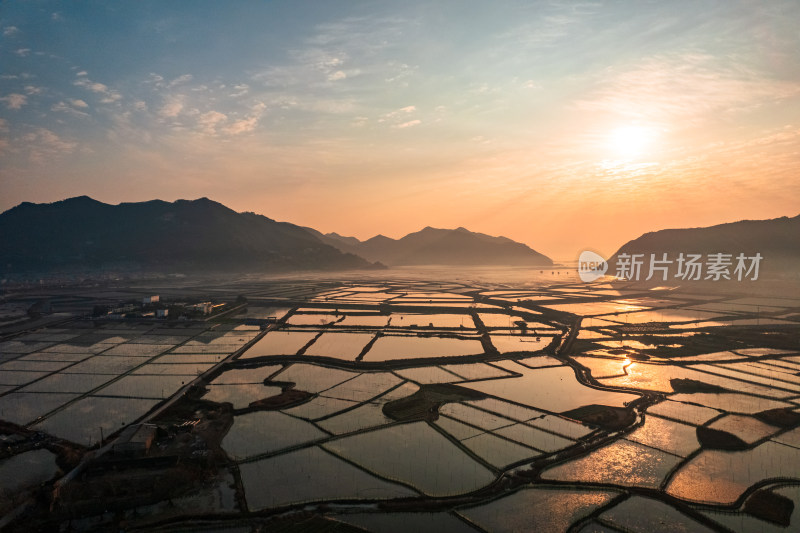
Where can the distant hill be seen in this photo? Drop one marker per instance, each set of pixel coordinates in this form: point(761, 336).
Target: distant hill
point(432, 246)
point(82, 233)
point(777, 240)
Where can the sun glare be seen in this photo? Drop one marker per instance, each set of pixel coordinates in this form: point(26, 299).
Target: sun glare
point(631, 141)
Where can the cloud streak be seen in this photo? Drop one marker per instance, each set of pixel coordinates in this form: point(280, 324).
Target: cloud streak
point(43, 144)
point(108, 95)
point(14, 100)
point(685, 87)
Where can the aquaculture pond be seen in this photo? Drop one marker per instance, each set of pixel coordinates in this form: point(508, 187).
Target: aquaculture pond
point(404, 404)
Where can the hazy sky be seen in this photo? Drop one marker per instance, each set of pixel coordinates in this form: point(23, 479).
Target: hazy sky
point(564, 125)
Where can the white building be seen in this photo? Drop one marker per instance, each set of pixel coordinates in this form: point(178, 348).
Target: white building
point(203, 307)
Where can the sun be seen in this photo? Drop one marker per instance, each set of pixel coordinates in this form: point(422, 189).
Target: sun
point(630, 142)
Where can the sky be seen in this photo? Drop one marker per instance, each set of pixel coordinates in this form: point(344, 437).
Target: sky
point(563, 125)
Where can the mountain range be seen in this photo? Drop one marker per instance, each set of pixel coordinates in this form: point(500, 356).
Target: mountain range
point(81, 234)
point(84, 234)
point(433, 246)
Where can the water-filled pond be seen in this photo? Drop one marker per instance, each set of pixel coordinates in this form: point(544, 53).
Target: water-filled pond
point(240, 396)
point(537, 509)
point(621, 463)
point(433, 320)
point(519, 343)
point(311, 474)
point(81, 421)
point(716, 476)
point(553, 389)
point(22, 408)
point(392, 347)
point(339, 345)
point(279, 343)
point(27, 469)
point(417, 455)
point(267, 431)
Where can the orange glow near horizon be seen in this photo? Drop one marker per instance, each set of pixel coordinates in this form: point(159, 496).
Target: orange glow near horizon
point(346, 122)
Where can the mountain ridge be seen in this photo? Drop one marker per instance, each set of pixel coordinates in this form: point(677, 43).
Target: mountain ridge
point(776, 239)
point(431, 245)
point(83, 233)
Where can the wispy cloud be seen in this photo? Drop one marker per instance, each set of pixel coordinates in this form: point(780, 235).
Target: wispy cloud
point(10, 31)
point(240, 90)
point(43, 144)
point(155, 79)
point(111, 97)
point(688, 86)
point(209, 121)
point(337, 69)
point(401, 111)
point(242, 126)
point(409, 124)
point(173, 105)
point(180, 80)
point(14, 100)
point(399, 118)
point(311, 68)
point(544, 28)
point(63, 107)
point(248, 123)
point(108, 95)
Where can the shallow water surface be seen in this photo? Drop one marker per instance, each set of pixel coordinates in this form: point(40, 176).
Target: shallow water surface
point(267, 431)
point(416, 454)
point(552, 389)
point(392, 347)
point(537, 509)
point(311, 474)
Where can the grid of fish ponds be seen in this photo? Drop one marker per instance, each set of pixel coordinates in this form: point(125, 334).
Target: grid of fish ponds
point(90, 380)
point(525, 413)
point(344, 429)
point(715, 419)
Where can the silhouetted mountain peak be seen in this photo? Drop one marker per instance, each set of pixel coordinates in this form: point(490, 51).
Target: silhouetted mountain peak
point(83, 199)
point(76, 202)
point(352, 241)
point(777, 240)
point(82, 233)
point(441, 246)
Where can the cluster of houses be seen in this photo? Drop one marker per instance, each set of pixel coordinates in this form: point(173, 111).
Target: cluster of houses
point(153, 307)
